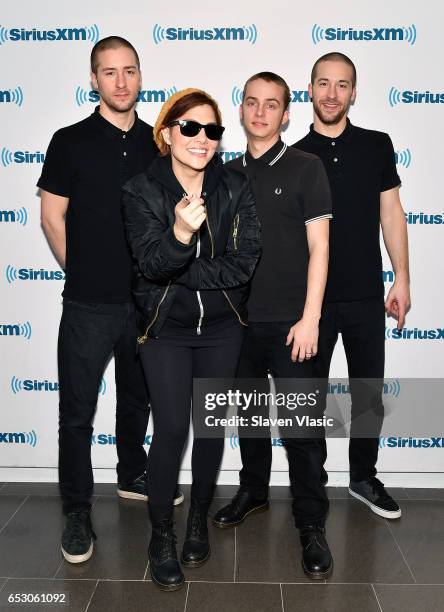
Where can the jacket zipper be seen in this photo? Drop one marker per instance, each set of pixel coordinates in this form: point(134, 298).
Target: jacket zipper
point(144, 338)
point(237, 313)
point(212, 256)
point(235, 228)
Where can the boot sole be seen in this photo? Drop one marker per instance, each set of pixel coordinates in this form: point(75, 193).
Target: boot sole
point(195, 563)
point(140, 497)
point(262, 508)
point(317, 575)
point(388, 514)
point(165, 587)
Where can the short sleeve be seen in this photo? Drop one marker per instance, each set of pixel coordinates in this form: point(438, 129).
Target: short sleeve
point(57, 171)
point(317, 202)
point(389, 176)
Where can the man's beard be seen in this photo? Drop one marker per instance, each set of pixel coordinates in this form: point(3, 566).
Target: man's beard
point(121, 108)
point(330, 119)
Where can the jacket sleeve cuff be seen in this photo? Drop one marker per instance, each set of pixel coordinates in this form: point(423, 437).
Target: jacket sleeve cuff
point(176, 251)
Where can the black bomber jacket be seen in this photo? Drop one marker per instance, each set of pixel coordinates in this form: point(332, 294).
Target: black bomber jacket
point(149, 200)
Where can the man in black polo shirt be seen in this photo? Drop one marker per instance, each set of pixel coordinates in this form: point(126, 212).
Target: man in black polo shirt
point(365, 188)
point(86, 165)
point(294, 205)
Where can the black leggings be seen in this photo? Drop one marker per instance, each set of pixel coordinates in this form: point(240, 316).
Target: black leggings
point(170, 363)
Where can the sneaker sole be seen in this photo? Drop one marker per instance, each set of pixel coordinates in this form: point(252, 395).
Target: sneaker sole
point(78, 558)
point(140, 497)
point(317, 575)
point(195, 563)
point(166, 587)
point(389, 514)
point(131, 495)
point(262, 508)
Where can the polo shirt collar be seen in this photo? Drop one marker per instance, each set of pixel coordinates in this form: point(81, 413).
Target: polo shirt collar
point(269, 158)
point(345, 136)
point(111, 130)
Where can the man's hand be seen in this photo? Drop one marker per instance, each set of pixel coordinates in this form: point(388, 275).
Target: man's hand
point(304, 335)
point(190, 214)
point(398, 303)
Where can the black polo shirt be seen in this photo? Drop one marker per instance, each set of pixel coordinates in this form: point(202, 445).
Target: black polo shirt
point(89, 162)
point(291, 190)
point(360, 165)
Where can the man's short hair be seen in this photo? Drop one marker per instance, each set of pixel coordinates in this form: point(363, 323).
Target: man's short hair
point(110, 42)
point(335, 56)
point(271, 77)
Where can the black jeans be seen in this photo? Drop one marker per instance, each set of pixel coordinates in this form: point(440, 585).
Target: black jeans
point(170, 364)
point(362, 327)
point(264, 351)
point(88, 335)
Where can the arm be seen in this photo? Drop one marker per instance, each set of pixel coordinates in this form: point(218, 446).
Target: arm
point(53, 211)
point(236, 266)
point(160, 255)
point(304, 334)
point(394, 230)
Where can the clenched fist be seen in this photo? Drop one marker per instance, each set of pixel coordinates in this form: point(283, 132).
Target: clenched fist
point(190, 214)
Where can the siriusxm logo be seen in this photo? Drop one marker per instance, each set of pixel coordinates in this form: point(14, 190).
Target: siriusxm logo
point(7, 157)
point(90, 33)
point(16, 329)
point(414, 97)
point(32, 384)
point(19, 216)
point(422, 218)
point(103, 439)
point(29, 274)
point(393, 387)
point(414, 334)
point(395, 442)
point(234, 441)
point(244, 33)
point(21, 437)
point(227, 156)
point(297, 95)
point(403, 158)
point(83, 96)
point(11, 96)
point(403, 34)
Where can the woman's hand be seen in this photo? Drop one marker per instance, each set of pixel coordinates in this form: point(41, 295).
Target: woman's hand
point(190, 214)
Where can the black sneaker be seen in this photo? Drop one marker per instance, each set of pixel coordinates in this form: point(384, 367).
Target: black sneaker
point(137, 490)
point(77, 538)
point(373, 493)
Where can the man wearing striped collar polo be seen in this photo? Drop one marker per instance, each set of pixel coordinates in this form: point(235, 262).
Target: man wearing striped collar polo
point(294, 206)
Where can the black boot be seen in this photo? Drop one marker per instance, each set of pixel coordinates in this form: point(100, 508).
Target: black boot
point(196, 548)
point(164, 567)
point(317, 561)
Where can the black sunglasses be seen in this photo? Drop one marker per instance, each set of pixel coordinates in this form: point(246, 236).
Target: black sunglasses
point(189, 128)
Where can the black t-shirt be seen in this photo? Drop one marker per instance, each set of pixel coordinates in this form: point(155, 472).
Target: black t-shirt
point(360, 165)
point(291, 190)
point(89, 162)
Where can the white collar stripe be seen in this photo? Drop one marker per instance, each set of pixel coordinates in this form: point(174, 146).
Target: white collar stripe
point(279, 155)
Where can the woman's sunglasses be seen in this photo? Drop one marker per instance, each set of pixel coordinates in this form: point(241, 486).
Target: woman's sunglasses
point(192, 128)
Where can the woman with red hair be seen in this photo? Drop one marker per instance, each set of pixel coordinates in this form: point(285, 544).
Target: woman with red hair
point(193, 230)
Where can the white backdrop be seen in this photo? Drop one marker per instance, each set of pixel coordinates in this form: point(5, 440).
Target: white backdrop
point(44, 85)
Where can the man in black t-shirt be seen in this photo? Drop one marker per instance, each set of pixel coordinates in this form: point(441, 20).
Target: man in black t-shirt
point(85, 167)
point(294, 206)
point(365, 188)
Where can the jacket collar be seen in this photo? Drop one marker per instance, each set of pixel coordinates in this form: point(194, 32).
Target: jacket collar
point(268, 158)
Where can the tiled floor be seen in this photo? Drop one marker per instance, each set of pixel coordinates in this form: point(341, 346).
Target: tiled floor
point(379, 566)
